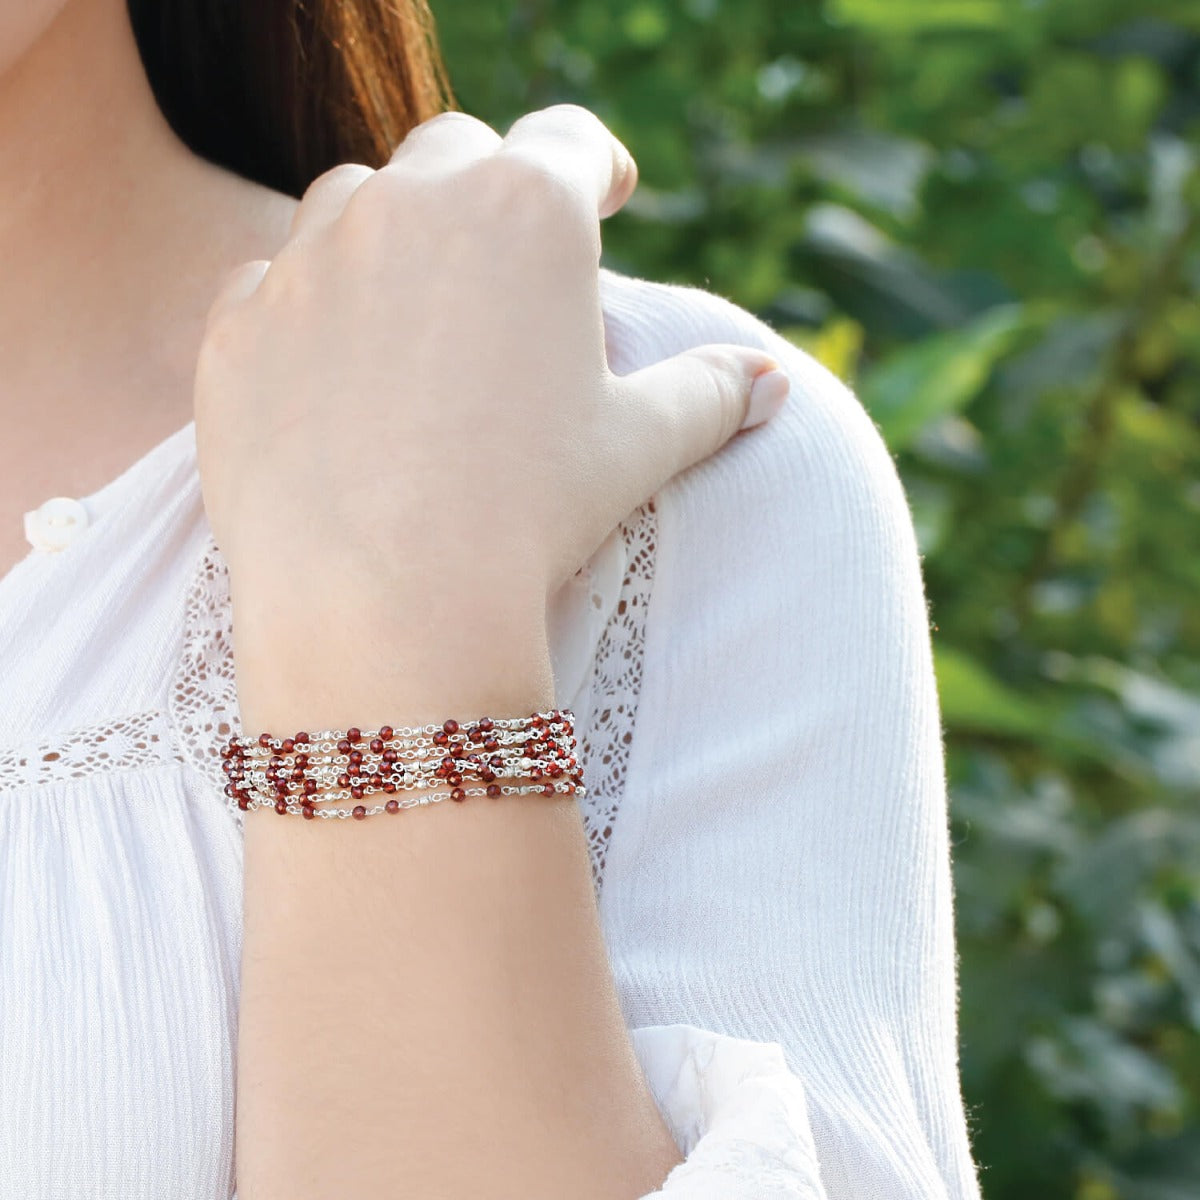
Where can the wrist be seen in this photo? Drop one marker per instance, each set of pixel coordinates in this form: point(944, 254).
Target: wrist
point(399, 663)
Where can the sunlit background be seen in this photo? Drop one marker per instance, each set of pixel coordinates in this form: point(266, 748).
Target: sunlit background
point(983, 214)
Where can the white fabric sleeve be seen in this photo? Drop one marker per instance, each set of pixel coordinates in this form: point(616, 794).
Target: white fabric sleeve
point(779, 901)
point(737, 1113)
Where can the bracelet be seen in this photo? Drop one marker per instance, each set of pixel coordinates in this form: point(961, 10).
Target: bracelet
point(297, 774)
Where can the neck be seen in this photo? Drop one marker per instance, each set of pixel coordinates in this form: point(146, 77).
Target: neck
point(113, 235)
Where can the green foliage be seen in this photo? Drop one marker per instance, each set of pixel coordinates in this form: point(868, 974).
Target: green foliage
point(984, 214)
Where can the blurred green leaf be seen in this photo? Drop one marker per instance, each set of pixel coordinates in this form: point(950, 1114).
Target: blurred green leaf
point(941, 374)
point(896, 16)
point(973, 700)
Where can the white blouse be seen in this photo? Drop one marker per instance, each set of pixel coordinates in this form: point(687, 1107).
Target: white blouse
point(748, 657)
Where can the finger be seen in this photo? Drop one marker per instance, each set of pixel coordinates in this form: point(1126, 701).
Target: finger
point(326, 196)
point(238, 286)
point(694, 403)
point(445, 142)
point(573, 143)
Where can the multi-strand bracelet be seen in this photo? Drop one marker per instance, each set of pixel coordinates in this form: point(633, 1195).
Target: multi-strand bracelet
point(299, 774)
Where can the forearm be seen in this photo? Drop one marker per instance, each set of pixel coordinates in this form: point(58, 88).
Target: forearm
point(427, 1007)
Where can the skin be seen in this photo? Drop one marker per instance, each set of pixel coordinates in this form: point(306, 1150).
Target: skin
point(426, 1008)
point(114, 238)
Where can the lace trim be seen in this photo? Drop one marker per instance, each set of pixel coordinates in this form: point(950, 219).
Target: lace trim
point(605, 742)
point(141, 740)
point(202, 704)
point(203, 699)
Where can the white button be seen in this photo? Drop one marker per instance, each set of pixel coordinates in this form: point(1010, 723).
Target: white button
point(56, 524)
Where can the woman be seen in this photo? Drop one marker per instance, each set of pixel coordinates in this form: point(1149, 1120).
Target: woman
point(441, 465)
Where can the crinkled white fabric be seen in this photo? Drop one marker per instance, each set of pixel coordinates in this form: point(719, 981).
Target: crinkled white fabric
point(748, 657)
point(735, 1110)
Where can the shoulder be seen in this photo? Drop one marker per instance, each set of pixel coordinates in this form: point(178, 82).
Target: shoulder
point(822, 459)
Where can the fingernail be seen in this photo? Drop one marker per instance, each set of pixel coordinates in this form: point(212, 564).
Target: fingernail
point(770, 390)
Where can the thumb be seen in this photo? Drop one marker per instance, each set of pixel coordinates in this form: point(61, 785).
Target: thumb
point(696, 401)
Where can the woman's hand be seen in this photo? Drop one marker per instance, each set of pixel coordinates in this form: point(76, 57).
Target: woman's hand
point(408, 438)
point(412, 398)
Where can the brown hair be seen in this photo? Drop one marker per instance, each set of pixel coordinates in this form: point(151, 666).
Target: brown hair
point(281, 90)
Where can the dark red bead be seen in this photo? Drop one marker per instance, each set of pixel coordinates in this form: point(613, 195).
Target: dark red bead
point(458, 794)
point(493, 790)
point(243, 802)
point(281, 805)
point(302, 738)
point(288, 745)
point(343, 780)
point(454, 777)
point(376, 781)
point(389, 787)
point(356, 757)
point(356, 792)
point(487, 774)
point(297, 776)
point(549, 790)
point(264, 740)
point(386, 731)
point(485, 724)
point(392, 806)
point(310, 786)
point(354, 734)
point(555, 770)
point(308, 810)
point(441, 738)
point(491, 744)
point(359, 812)
point(343, 746)
point(450, 725)
point(377, 745)
point(391, 756)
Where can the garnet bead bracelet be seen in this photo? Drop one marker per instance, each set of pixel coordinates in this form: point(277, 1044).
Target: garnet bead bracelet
point(299, 774)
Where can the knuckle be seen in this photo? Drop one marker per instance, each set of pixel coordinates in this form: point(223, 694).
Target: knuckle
point(372, 207)
point(528, 187)
point(334, 177)
point(452, 116)
point(444, 122)
point(288, 280)
point(542, 209)
point(566, 116)
point(728, 383)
